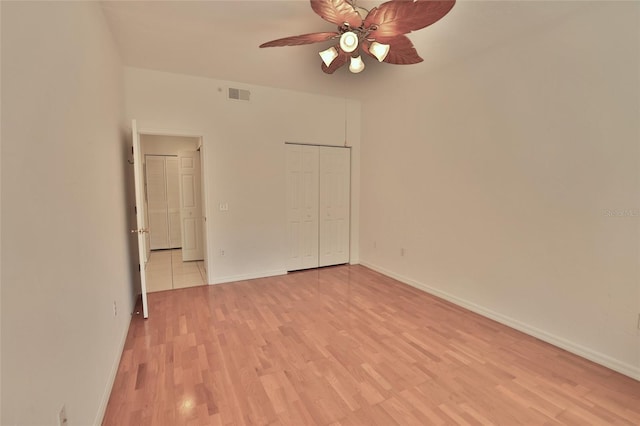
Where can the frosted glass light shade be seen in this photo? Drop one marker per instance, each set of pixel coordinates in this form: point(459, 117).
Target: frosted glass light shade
point(349, 41)
point(328, 55)
point(379, 50)
point(356, 65)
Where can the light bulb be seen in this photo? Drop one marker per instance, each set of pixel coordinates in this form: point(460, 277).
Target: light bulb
point(328, 55)
point(379, 50)
point(348, 41)
point(356, 65)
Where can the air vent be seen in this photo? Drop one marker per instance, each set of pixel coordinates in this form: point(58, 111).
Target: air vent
point(239, 94)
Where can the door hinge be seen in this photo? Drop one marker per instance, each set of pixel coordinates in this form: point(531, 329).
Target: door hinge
point(139, 270)
point(135, 209)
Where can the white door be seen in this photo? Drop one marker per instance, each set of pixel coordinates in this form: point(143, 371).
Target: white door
point(302, 206)
point(335, 184)
point(173, 202)
point(203, 201)
point(163, 201)
point(190, 205)
point(140, 231)
point(157, 202)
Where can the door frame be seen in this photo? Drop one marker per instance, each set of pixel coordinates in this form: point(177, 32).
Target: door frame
point(204, 170)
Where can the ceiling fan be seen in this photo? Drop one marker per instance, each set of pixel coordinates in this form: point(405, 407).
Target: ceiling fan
point(378, 32)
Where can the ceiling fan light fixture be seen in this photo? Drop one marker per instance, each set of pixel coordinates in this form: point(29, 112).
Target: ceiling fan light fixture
point(391, 21)
point(379, 50)
point(348, 41)
point(356, 65)
point(329, 55)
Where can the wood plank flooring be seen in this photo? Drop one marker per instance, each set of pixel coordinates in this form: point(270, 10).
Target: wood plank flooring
point(348, 346)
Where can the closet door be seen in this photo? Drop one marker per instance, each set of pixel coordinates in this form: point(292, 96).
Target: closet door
point(173, 202)
point(157, 202)
point(334, 208)
point(302, 206)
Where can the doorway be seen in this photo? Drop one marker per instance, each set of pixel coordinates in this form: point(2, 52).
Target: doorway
point(174, 206)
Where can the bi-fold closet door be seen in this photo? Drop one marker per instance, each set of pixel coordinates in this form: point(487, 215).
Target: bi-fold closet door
point(318, 205)
point(163, 202)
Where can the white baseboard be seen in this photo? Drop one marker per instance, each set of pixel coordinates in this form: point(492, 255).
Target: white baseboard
point(112, 378)
point(243, 277)
point(591, 355)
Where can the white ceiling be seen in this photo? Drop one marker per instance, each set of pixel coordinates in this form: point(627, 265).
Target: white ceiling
point(220, 38)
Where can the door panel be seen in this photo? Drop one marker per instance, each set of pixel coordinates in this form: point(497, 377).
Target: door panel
point(158, 229)
point(190, 206)
point(188, 191)
point(140, 231)
point(163, 198)
point(190, 231)
point(302, 206)
point(334, 209)
point(157, 202)
point(173, 202)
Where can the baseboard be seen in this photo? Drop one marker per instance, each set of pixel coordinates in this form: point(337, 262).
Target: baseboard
point(591, 355)
point(112, 378)
point(243, 277)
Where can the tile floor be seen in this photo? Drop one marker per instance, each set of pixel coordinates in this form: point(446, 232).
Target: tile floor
point(166, 271)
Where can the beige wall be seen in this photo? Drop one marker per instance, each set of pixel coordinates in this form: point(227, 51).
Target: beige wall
point(244, 159)
point(167, 145)
point(499, 177)
point(65, 239)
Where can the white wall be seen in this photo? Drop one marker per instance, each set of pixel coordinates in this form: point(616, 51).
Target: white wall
point(243, 157)
point(499, 177)
point(65, 239)
point(167, 145)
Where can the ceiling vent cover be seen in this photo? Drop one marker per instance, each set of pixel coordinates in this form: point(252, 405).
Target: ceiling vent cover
point(238, 94)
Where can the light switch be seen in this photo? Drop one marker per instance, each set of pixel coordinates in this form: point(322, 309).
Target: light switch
point(224, 207)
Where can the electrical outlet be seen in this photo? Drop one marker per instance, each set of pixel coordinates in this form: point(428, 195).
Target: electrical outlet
point(402, 252)
point(115, 309)
point(221, 252)
point(63, 420)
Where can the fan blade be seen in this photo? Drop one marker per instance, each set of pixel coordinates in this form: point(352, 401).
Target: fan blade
point(300, 40)
point(337, 12)
point(403, 16)
point(401, 51)
point(339, 61)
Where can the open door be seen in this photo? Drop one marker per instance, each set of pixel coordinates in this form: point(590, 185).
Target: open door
point(141, 230)
point(191, 205)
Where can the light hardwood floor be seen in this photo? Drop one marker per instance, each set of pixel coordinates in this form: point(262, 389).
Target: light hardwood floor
point(348, 346)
